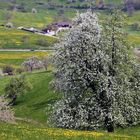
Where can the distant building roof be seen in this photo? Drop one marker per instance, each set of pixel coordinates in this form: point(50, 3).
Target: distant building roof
point(62, 24)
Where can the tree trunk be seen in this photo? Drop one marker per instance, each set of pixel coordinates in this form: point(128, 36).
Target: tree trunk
point(12, 102)
point(109, 124)
point(31, 68)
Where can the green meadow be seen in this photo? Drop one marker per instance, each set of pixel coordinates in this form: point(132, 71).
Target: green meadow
point(32, 111)
point(17, 39)
point(24, 131)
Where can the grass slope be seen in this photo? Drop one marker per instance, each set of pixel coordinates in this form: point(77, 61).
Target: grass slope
point(13, 38)
point(33, 105)
point(28, 19)
point(23, 131)
point(17, 39)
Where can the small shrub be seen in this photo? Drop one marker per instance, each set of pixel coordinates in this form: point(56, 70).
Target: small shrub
point(34, 11)
point(8, 69)
point(16, 87)
point(9, 25)
point(42, 42)
point(25, 39)
point(135, 27)
point(19, 70)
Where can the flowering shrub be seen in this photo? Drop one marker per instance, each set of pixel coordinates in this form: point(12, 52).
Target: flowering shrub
point(8, 69)
point(6, 114)
point(16, 87)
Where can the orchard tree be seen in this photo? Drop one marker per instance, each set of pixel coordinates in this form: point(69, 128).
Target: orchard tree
point(97, 74)
point(129, 6)
point(8, 69)
point(16, 87)
point(46, 61)
point(100, 4)
point(32, 63)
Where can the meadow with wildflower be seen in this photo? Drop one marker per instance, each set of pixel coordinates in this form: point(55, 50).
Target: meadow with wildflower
point(16, 58)
point(42, 96)
point(17, 39)
point(23, 131)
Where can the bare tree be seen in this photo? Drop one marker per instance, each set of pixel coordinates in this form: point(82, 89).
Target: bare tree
point(45, 62)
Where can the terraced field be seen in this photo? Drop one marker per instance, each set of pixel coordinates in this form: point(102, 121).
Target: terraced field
point(16, 58)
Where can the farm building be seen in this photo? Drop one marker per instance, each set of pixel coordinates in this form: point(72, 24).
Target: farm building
point(62, 24)
point(56, 27)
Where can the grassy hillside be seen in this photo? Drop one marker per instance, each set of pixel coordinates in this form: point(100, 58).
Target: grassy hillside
point(32, 105)
point(23, 131)
point(28, 19)
point(13, 38)
point(44, 3)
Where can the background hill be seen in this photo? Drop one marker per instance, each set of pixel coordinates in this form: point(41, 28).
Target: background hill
point(21, 13)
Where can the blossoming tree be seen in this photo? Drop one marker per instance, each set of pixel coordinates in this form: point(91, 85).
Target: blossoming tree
point(97, 74)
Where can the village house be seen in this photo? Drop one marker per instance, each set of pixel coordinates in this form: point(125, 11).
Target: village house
point(54, 28)
point(51, 29)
